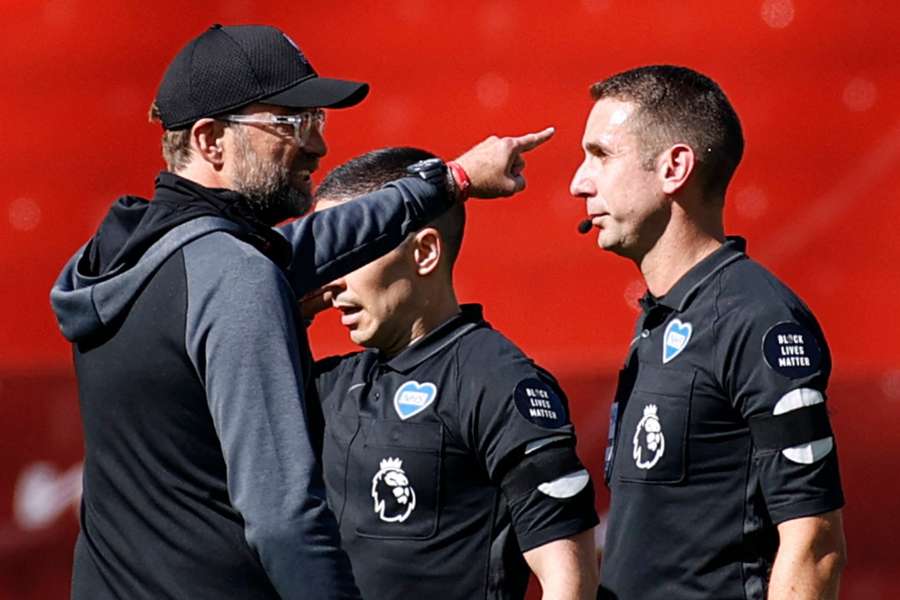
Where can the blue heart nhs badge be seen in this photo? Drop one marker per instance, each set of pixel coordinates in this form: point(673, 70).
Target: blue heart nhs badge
point(676, 339)
point(413, 397)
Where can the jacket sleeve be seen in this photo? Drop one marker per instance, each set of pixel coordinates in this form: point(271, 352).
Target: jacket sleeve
point(333, 242)
point(241, 337)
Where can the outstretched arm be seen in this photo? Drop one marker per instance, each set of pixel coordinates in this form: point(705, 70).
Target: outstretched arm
point(811, 555)
point(329, 244)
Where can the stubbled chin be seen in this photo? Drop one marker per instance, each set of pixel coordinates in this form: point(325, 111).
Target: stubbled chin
point(302, 184)
point(357, 337)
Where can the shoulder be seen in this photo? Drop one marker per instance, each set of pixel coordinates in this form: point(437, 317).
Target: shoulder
point(492, 365)
point(221, 258)
point(225, 247)
point(486, 342)
point(749, 292)
point(231, 281)
point(485, 350)
point(333, 366)
point(761, 320)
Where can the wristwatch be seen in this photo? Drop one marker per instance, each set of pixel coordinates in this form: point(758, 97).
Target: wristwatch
point(432, 170)
point(443, 175)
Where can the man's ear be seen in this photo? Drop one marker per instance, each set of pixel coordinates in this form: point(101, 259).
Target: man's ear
point(674, 166)
point(207, 141)
point(427, 250)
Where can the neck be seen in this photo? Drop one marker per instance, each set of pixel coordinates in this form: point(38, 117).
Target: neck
point(684, 243)
point(200, 173)
point(430, 314)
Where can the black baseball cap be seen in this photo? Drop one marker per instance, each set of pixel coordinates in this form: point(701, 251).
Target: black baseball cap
point(226, 68)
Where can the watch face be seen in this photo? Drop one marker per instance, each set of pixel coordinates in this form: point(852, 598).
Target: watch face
point(425, 165)
point(431, 169)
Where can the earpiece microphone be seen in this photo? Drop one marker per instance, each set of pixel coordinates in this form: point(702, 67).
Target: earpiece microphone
point(585, 226)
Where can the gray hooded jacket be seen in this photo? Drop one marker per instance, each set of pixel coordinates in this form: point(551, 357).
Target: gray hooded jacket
point(201, 477)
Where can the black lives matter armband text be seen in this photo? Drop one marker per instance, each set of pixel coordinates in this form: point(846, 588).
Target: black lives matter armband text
point(791, 350)
point(540, 404)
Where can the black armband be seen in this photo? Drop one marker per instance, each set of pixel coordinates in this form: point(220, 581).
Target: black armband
point(545, 465)
point(800, 426)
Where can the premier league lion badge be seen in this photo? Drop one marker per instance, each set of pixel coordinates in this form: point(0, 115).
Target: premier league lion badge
point(649, 442)
point(394, 497)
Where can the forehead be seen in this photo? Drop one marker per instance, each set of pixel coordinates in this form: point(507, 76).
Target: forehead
point(609, 121)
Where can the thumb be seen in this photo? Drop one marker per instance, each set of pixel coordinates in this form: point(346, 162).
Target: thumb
point(519, 181)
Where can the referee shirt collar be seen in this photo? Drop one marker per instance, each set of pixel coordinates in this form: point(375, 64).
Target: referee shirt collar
point(680, 296)
point(469, 317)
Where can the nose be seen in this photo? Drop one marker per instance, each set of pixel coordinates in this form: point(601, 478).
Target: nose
point(582, 186)
point(334, 289)
point(316, 145)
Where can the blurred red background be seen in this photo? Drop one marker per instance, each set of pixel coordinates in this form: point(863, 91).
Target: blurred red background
point(816, 85)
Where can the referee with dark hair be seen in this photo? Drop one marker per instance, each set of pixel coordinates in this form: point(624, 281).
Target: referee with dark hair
point(449, 455)
point(722, 464)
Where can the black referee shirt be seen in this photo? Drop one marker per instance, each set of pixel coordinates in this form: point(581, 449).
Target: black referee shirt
point(415, 452)
point(695, 498)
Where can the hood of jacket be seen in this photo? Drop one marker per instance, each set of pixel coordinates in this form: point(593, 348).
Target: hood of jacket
point(136, 237)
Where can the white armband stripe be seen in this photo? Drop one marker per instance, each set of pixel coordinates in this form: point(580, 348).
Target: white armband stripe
point(804, 454)
point(567, 485)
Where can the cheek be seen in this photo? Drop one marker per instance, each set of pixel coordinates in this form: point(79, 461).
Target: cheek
point(394, 297)
point(282, 154)
point(364, 289)
point(289, 151)
point(372, 288)
point(629, 196)
point(383, 287)
point(617, 193)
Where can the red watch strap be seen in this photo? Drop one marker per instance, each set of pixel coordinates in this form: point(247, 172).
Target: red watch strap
point(463, 183)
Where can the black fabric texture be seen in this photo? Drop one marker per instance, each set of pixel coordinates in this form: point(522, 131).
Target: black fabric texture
point(129, 528)
point(459, 452)
point(792, 428)
point(133, 224)
point(226, 68)
point(697, 484)
point(540, 467)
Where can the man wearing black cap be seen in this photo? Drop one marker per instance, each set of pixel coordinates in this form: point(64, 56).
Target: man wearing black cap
point(200, 477)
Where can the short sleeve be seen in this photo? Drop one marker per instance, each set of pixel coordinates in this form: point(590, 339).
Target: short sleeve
point(775, 365)
point(516, 405)
point(518, 424)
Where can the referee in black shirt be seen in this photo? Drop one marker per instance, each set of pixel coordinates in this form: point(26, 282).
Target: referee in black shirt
point(449, 455)
point(722, 464)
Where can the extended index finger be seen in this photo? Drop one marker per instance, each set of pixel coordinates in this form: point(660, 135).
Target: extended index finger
point(529, 141)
